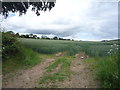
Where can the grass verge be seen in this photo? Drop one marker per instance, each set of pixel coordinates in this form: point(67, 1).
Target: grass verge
point(14, 63)
point(106, 70)
point(60, 75)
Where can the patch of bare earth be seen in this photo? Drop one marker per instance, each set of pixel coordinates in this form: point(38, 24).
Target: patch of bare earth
point(60, 54)
point(27, 78)
point(81, 76)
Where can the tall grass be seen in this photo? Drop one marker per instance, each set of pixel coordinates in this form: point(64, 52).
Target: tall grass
point(108, 72)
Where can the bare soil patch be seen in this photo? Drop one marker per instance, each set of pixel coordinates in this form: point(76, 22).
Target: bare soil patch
point(27, 78)
point(81, 76)
point(60, 54)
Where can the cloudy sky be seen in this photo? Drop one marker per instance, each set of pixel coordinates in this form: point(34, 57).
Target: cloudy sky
point(74, 19)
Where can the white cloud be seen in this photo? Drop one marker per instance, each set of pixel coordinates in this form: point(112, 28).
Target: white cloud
point(77, 19)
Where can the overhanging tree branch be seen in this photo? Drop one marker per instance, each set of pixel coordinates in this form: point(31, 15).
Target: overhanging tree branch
point(22, 7)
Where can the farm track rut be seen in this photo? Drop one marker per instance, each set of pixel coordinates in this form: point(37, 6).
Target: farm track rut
point(28, 78)
point(81, 75)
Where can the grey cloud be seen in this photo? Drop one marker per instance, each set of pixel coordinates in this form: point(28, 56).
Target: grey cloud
point(64, 33)
point(62, 21)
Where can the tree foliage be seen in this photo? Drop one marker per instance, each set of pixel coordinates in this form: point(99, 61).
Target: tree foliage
point(22, 7)
point(55, 38)
point(10, 45)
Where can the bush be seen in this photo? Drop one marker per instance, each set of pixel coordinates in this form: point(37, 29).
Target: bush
point(10, 46)
point(15, 55)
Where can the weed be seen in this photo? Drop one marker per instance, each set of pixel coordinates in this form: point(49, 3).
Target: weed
point(61, 74)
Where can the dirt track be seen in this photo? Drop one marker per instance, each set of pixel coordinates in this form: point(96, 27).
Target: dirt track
point(27, 78)
point(81, 75)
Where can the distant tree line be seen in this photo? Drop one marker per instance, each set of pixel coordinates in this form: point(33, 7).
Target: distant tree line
point(27, 36)
point(110, 40)
point(54, 38)
point(32, 36)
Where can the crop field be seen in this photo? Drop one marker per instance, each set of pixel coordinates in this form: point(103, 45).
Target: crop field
point(94, 49)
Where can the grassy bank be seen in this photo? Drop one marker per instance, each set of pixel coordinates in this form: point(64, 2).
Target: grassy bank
point(29, 59)
point(106, 70)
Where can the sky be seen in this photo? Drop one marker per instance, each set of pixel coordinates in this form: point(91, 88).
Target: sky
point(85, 20)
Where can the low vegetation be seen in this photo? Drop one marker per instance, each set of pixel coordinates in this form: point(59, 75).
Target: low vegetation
point(14, 63)
point(64, 72)
point(106, 70)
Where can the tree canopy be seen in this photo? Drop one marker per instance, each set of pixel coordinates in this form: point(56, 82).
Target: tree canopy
point(22, 7)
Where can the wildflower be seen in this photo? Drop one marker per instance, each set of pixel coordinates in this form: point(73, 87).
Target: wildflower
point(109, 53)
point(115, 75)
point(110, 49)
point(117, 48)
point(3, 47)
point(111, 45)
point(114, 44)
